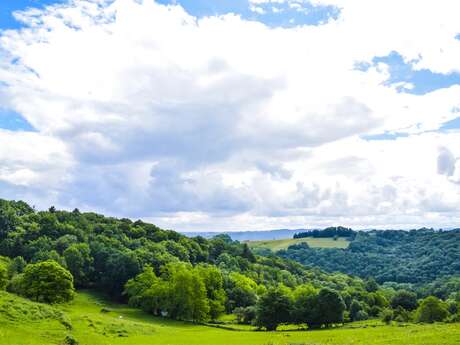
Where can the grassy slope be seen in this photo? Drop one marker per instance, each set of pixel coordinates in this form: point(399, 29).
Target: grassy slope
point(275, 245)
point(27, 323)
point(129, 326)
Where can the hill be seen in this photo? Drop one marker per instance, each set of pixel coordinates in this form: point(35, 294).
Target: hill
point(46, 253)
point(416, 256)
point(122, 325)
point(253, 235)
point(276, 245)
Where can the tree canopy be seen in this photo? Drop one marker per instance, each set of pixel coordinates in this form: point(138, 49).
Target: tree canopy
point(47, 282)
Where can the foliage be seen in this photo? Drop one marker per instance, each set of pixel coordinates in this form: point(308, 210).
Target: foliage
point(387, 316)
point(78, 259)
point(416, 256)
point(431, 309)
point(332, 231)
point(3, 276)
point(246, 315)
point(331, 307)
point(196, 279)
point(274, 308)
point(182, 292)
point(105, 252)
point(404, 299)
point(47, 282)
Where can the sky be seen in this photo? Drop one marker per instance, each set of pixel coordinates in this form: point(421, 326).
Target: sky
point(234, 115)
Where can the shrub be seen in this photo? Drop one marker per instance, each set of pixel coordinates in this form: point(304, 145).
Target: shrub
point(245, 315)
point(402, 315)
point(431, 310)
point(386, 316)
point(361, 315)
point(70, 340)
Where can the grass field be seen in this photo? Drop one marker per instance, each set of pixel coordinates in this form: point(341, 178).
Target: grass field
point(276, 245)
point(26, 323)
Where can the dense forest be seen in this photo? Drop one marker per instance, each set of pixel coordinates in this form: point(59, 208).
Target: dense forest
point(407, 257)
point(47, 254)
point(333, 231)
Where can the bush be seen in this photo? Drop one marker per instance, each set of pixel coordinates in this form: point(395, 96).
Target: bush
point(401, 315)
point(361, 315)
point(70, 340)
point(386, 316)
point(246, 315)
point(431, 310)
point(375, 311)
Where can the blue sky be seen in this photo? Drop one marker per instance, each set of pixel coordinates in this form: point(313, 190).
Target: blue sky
point(423, 80)
point(327, 114)
point(283, 15)
point(272, 14)
point(7, 7)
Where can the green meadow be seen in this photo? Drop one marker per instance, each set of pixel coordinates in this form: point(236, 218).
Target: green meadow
point(276, 245)
point(92, 320)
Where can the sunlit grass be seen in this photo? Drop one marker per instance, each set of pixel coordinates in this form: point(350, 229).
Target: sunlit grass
point(276, 245)
point(120, 325)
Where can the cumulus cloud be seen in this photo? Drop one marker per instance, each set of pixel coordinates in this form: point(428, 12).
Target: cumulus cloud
point(143, 110)
point(446, 162)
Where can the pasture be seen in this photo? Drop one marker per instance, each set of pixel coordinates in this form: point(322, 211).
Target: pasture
point(92, 320)
point(276, 245)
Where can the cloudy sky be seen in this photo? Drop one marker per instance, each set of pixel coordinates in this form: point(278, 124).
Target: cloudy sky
point(234, 114)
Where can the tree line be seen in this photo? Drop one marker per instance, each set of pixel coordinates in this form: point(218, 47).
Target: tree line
point(333, 231)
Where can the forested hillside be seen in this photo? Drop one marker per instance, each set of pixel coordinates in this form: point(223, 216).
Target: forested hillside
point(105, 253)
point(45, 255)
point(417, 256)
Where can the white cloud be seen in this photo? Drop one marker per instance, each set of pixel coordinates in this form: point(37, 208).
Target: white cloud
point(143, 110)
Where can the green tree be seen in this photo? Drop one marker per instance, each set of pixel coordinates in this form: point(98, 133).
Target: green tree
point(371, 285)
point(386, 316)
point(137, 286)
point(305, 305)
point(431, 309)
point(331, 307)
point(79, 260)
point(47, 282)
point(17, 265)
point(274, 308)
point(355, 309)
point(247, 253)
point(241, 291)
point(213, 282)
point(404, 299)
point(8, 219)
point(148, 292)
point(3, 276)
point(188, 298)
point(120, 266)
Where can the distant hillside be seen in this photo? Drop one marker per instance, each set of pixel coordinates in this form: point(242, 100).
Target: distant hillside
point(415, 256)
point(253, 235)
point(275, 245)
